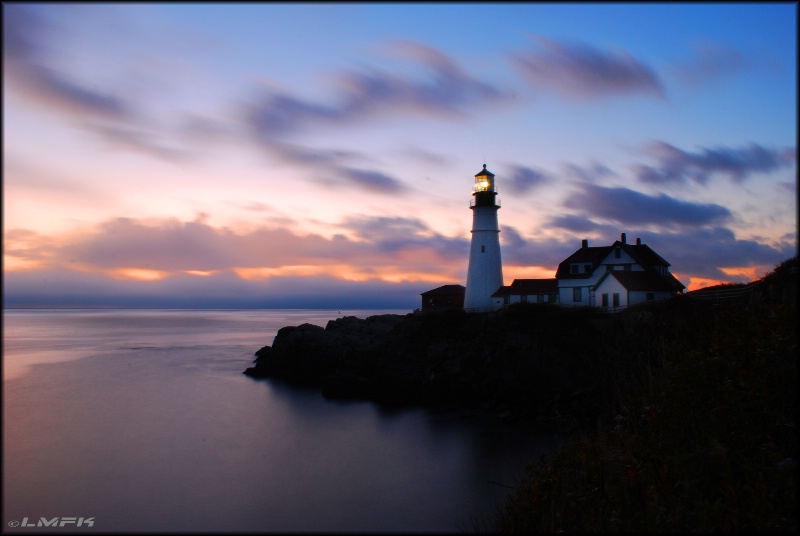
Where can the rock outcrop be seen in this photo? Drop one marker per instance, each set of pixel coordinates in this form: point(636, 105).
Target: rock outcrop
point(512, 362)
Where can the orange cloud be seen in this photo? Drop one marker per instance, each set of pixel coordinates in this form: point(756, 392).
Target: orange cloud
point(138, 274)
point(258, 274)
point(527, 272)
point(750, 272)
point(201, 273)
point(12, 263)
point(696, 283)
point(388, 274)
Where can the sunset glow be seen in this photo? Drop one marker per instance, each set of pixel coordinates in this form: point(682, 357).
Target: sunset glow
point(173, 151)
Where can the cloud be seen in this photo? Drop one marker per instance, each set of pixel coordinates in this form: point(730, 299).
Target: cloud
point(692, 252)
point(446, 91)
point(398, 234)
point(675, 166)
point(173, 246)
point(383, 248)
point(28, 67)
point(701, 252)
point(523, 179)
point(388, 263)
point(359, 97)
point(710, 63)
point(569, 222)
point(192, 264)
point(627, 206)
point(60, 288)
point(138, 140)
point(370, 180)
point(330, 167)
point(31, 47)
point(591, 173)
point(584, 72)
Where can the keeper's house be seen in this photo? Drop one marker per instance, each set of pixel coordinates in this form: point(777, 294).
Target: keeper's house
point(612, 276)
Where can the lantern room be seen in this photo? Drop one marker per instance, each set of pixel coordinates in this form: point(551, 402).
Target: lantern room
point(483, 192)
point(484, 181)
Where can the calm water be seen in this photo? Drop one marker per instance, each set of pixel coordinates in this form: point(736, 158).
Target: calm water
point(144, 421)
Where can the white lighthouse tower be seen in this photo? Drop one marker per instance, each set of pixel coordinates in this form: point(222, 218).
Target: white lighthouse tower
point(485, 273)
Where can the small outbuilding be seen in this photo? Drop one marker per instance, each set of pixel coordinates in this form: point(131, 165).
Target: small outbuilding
point(444, 297)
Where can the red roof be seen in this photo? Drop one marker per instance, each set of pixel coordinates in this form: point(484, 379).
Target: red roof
point(528, 287)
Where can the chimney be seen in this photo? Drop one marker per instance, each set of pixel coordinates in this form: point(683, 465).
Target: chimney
point(638, 241)
point(623, 239)
point(584, 244)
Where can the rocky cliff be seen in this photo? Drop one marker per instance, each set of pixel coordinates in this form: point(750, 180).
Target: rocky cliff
point(532, 361)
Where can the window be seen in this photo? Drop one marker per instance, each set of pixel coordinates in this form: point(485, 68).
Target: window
point(539, 298)
point(573, 268)
point(523, 299)
point(587, 268)
point(651, 296)
point(605, 299)
point(483, 249)
point(616, 299)
point(576, 294)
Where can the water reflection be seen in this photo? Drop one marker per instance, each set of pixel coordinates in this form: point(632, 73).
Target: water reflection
point(169, 436)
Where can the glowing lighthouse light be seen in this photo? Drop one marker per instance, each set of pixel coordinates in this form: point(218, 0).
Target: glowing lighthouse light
point(485, 272)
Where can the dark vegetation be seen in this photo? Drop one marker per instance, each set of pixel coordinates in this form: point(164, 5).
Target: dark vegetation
point(682, 412)
point(704, 433)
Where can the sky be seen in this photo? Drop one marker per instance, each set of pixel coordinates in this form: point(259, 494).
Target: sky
point(301, 155)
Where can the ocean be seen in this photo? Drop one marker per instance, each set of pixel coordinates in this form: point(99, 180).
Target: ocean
point(142, 421)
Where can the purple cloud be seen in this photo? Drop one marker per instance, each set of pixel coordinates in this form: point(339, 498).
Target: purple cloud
point(522, 179)
point(677, 166)
point(627, 206)
point(701, 252)
point(576, 224)
point(397, 234)
point(174, 246)
point(329, 168)
point(63, 288)
point(711, 63)
point(370, 180)
point(581, 71)
point(589, 174)
point(447, 91)
point(27, 67)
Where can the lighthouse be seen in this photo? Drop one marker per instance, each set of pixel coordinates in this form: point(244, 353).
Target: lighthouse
point(485, 273)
